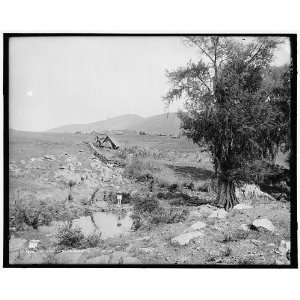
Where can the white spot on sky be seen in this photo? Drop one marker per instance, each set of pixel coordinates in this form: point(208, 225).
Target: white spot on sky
point(29, 93)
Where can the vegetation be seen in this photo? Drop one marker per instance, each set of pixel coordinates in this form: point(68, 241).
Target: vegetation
point(68, 237)
point(229, 110)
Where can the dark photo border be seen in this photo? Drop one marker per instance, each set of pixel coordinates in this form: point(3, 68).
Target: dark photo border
point(293, 161)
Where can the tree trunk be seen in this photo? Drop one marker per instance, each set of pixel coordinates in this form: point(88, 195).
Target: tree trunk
point(226, 197)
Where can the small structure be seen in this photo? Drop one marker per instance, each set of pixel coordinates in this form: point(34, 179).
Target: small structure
point(106, 142)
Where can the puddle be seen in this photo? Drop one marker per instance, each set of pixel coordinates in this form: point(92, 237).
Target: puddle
point(110, 225)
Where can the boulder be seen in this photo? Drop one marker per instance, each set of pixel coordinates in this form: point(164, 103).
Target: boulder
point(245, 227)
point(197, 226)
point(185, 238)
point(264, 223)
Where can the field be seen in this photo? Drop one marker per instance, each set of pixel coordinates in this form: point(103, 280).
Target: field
point(64, 205)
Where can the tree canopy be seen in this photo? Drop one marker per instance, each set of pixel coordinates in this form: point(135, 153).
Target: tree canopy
point(229, 109)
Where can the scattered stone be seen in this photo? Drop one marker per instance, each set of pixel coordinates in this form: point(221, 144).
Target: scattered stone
point(33, 244)
point(185, 238)
point(285, 247)
point(220, 213)
point(49, 157)
point(245, 227)
point(265, 223)
point(146, 250)
point(242, 206)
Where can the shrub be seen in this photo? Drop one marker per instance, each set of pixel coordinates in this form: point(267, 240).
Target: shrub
point(145, 205)
point(31, 212)
point(69, 237)
point(92, 241)
point(168, 216)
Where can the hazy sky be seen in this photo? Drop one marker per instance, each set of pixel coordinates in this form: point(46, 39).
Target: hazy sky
point(63, 80)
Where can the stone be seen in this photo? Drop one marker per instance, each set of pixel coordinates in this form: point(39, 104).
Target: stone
point(245, 227)
point(102, 259)
point(49, 157)
point(146, 250)
point(198, 225)
point(71, 257)
point(185, 238)
point(33, 244)
point(220, 214)
point(264, 223)
point(285, 247)
point(242, 206)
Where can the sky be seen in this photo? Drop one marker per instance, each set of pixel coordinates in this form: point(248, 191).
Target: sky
point(56, 81)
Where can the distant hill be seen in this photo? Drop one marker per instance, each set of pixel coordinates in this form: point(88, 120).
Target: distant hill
point(164, 124)
point(117, 123)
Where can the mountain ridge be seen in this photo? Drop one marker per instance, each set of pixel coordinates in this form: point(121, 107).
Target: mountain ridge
point(167, 123)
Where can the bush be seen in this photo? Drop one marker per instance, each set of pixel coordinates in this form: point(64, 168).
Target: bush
point(92, 241)
point(32, 213)
point(168, 216)
point(69, 237)
point(145, 205)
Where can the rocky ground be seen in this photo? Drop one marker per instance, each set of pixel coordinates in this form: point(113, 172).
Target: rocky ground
point(257, 231)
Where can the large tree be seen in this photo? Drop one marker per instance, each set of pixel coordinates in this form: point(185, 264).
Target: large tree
point(228, 110)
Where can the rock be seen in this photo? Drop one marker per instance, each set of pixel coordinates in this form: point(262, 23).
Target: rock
point(245, 227)
point(196, 226)
point(71, 257)
point(220, 213)
point(264, 223)
point(185, 238)
point(285, 247)
point(23, 162)
point(144, 239)
point(146, 250)
point(33, 244)
point(49, 157)
point(242, 206)
point(102, 259)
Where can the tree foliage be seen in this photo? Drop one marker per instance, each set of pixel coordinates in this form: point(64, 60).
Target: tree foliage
point(229, 110)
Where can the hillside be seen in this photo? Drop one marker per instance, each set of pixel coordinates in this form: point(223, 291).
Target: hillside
point(117, 123)
point(164, 123)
